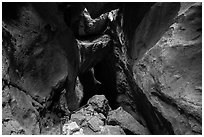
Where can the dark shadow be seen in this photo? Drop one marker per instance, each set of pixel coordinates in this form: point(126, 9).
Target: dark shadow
point(11, 10)
point(90, 86)
point(105, 72)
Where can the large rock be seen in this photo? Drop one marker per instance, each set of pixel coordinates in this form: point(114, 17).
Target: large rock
point(170, 74)
point(119, 79)
point(78, 18)
point(90, 27)
point(90, 120)
point(99, 104)
point(40, 53)
point(126, 121)
point(112, 130)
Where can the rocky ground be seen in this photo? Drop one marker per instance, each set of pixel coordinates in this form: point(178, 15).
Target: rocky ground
point(102, 68)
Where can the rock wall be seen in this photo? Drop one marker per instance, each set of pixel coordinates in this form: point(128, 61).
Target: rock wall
point(102, 68)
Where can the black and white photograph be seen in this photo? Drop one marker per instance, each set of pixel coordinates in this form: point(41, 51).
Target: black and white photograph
point(101, 68)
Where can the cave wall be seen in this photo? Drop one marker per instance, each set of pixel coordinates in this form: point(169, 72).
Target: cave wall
point(144, 57)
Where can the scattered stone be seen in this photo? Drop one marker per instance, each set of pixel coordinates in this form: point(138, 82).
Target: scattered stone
point(80, 132)
point(78, 117)
point(70, 128)
point(99, 104)
point(94, 123)
point(111, 130)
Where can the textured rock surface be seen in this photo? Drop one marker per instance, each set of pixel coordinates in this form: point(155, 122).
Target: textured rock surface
point(91, 52)
point(102, 68)
point(69, 129)
point(20, 112)
point(153, 25)
point(126, 121)
point(89, 26)
point(170, 73)
point(99, 104)
point(112, 130)
point(39, 61)
point(91, 120)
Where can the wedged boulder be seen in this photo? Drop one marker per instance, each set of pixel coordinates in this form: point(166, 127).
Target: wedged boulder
point(126, 121)
point(170, 74)
point(78, 18)
point(88, 26)
point(91, 52)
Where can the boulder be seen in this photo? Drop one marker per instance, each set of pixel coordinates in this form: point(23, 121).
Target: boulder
point(126, 122)
point(91, 120)
point(94, 123)
point(71, 128)
point(90, 27)
point(112, 130)
point(99, 104)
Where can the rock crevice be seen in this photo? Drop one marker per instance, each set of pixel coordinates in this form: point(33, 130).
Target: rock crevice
point(102, 68)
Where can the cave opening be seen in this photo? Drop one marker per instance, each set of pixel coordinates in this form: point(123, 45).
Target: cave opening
point(101, 80)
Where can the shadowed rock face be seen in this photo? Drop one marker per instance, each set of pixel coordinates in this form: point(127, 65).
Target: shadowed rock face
point(152, 26)
point(126, 121)
point(170, 73)
point(40, 56)
point(102, 68)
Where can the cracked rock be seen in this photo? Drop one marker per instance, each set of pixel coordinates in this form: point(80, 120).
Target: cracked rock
point(102, 68)
point(112, 130)
point(126, 121)
point(169, 73)
point(99, 104)
point(94, 123)
point(71, 128)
